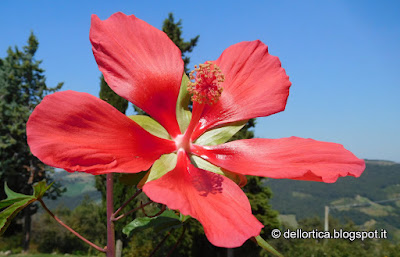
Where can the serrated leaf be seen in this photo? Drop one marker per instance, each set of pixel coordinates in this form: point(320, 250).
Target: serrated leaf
point(7, 202)
point(132, 179)
point(167, 220)
point(15, 202)
point(40, 188)
point(220, 135)
point(150, 125)
point(205, 165)
point(11, 194)
point(164, 164)
point(183, 115)
point(12, 197)
point(9, 213)
point(261, 242)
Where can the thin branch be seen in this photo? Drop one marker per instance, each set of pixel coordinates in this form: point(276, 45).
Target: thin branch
point(131, 211)
point(178, 241)
point(160, 244)
point(70, 229)
point(127, 202)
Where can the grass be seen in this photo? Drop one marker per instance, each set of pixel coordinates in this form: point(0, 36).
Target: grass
point(39, 255)
point(44, 255)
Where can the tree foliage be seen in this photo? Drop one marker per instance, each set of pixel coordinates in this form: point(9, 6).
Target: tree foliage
point(85, 219)
point(108, 95)
point(22, 87)
point(174, 31)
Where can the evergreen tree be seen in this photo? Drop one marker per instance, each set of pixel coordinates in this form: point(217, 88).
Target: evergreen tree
point(259, 196)
point(174, 31)
point(108, 95)
point(22, 87)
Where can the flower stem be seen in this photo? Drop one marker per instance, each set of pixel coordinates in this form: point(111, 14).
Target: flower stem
point(70, 229)
point(110, 211)
point(178, 241)
point(127, 202)
point(131, 211)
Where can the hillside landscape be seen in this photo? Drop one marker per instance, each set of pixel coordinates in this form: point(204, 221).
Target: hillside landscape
point(371, 201)
point(77, 186)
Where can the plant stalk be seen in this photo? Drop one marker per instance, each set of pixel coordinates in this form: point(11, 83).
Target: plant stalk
point(110, 214)
point(70, 229)
point(131, 211)
point(127, 202)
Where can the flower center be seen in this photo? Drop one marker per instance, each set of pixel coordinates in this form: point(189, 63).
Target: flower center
point(206, 88)
point(182, 143)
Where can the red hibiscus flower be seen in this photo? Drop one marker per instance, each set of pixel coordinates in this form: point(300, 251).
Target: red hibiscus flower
point(189, 162)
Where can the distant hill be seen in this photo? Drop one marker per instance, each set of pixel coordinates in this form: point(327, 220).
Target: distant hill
point(77, 184)
point(348, 198)
point(300, 199)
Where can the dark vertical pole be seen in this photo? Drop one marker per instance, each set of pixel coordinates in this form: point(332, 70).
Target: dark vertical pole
point(110, 211)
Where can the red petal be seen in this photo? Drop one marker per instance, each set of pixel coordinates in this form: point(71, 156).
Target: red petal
point(140, 63)
point(79, 132)
point(293, 157)
point(255, 85)
point(217, 202)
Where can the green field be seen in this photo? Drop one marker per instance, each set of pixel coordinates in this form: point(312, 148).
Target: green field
point(44, 255)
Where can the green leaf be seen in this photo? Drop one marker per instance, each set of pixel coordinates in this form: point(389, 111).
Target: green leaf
point(12, 197)
point(132, 179)
point(184, 218)
point(9, 213)
point(15, 202)
point(166, 163)
point(40, 188)
point(183, 115)
point(261, 242)
point(150, 125)
point(7, 202)
point(167, 220)
point(11, 194)
point(205, 165)
point(220, 135)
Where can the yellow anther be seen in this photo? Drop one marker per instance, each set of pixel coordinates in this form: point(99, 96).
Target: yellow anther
point(206, 87)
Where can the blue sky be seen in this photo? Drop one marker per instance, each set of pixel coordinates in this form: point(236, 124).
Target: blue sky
point(342, 57)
